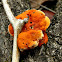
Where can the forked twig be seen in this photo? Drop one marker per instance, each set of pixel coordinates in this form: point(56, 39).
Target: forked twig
point(17, 25)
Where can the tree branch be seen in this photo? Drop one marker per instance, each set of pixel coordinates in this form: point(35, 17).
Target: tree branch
point(12, 19)
point(17, 25)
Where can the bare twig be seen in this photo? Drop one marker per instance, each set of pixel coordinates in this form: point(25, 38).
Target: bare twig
point(8, 12)
point(47, 8)
point(17, 25)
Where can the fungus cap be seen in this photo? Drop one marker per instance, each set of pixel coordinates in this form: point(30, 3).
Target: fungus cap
point(29, 39)
point(44, 40)
point(31, 34)
point(10, 30)
point(37, 21)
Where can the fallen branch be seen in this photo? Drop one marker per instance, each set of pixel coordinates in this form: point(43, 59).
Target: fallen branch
point(17, 25)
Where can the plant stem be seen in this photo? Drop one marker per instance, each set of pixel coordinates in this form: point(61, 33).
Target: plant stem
point(15, 54)
point(17, 26)
point(11, 18)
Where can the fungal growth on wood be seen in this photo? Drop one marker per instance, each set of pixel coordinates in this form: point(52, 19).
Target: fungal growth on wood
point(36, 26)
point(29, 39)
point(28, 33)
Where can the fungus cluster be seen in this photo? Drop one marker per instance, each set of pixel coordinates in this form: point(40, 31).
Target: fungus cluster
point(33, 33)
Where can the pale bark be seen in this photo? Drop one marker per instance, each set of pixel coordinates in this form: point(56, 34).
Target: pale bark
point(17, 25)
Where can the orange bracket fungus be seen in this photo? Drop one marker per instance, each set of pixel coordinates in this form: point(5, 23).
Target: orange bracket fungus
point(29, 39)
point(33, 32)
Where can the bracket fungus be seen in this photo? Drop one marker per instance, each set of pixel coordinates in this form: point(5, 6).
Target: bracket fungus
point(29, 39)
point(33, 33)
